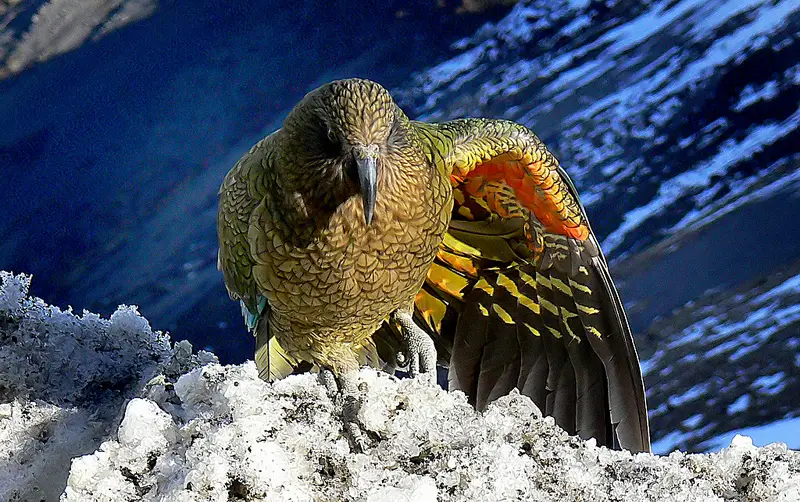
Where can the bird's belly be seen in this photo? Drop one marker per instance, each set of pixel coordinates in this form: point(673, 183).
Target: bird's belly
point(350, 287)
point(350, 279)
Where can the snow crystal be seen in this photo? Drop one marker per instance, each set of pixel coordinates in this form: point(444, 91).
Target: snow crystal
point(12, 291)
point(413, 488)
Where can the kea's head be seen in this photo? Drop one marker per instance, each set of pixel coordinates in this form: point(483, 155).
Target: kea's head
point(339, 136)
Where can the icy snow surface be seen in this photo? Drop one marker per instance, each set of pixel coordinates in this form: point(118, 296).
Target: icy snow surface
point(230, 434)
point(178, 427)
point(63, 382)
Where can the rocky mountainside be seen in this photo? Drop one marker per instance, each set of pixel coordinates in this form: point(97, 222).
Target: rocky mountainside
point(677, 119)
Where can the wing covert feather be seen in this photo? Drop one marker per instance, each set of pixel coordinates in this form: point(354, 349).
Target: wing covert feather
point(237, 202)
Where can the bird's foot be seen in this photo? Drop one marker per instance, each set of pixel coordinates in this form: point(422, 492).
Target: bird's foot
point(346, 392)
point(420, 352)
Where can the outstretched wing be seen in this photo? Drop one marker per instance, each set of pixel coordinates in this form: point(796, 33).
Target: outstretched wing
point(520, 293)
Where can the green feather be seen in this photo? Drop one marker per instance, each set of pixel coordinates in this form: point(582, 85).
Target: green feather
point(251, 318)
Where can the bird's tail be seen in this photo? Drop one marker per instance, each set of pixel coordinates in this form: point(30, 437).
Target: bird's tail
point(272, 361)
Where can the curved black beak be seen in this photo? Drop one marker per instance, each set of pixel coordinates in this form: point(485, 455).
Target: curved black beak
point(368, 179)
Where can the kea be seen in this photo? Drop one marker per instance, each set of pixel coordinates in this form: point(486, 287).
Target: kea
point(355, 236)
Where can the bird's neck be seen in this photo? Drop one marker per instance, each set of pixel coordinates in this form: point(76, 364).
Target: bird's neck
point(308, 198)
point(307, 202)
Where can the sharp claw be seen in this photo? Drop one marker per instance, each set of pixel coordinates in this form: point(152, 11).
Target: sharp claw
point(347, 392)
point(350, 408)
point(414, 369)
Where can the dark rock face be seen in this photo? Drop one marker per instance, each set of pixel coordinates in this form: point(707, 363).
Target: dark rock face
point(678, 121)
point(726, 361)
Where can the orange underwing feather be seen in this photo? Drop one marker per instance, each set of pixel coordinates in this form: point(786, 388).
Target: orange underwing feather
point(534, 191)
point(460, 263)
point(432, 309)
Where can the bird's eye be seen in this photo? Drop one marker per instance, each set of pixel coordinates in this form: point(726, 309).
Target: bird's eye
point(330, 143)
point(351, 168)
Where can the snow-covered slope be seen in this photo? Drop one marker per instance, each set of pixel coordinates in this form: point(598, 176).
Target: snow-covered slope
point(727, 361)
point(180, 427)
point(64, 380)
point(47, 29)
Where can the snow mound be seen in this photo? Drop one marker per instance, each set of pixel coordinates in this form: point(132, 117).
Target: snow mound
point(231, 436)
point(64, 380)
point(184, 428)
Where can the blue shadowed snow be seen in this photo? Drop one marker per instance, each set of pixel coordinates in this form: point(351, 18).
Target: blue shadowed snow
point(739, 405)
point(782, 431)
